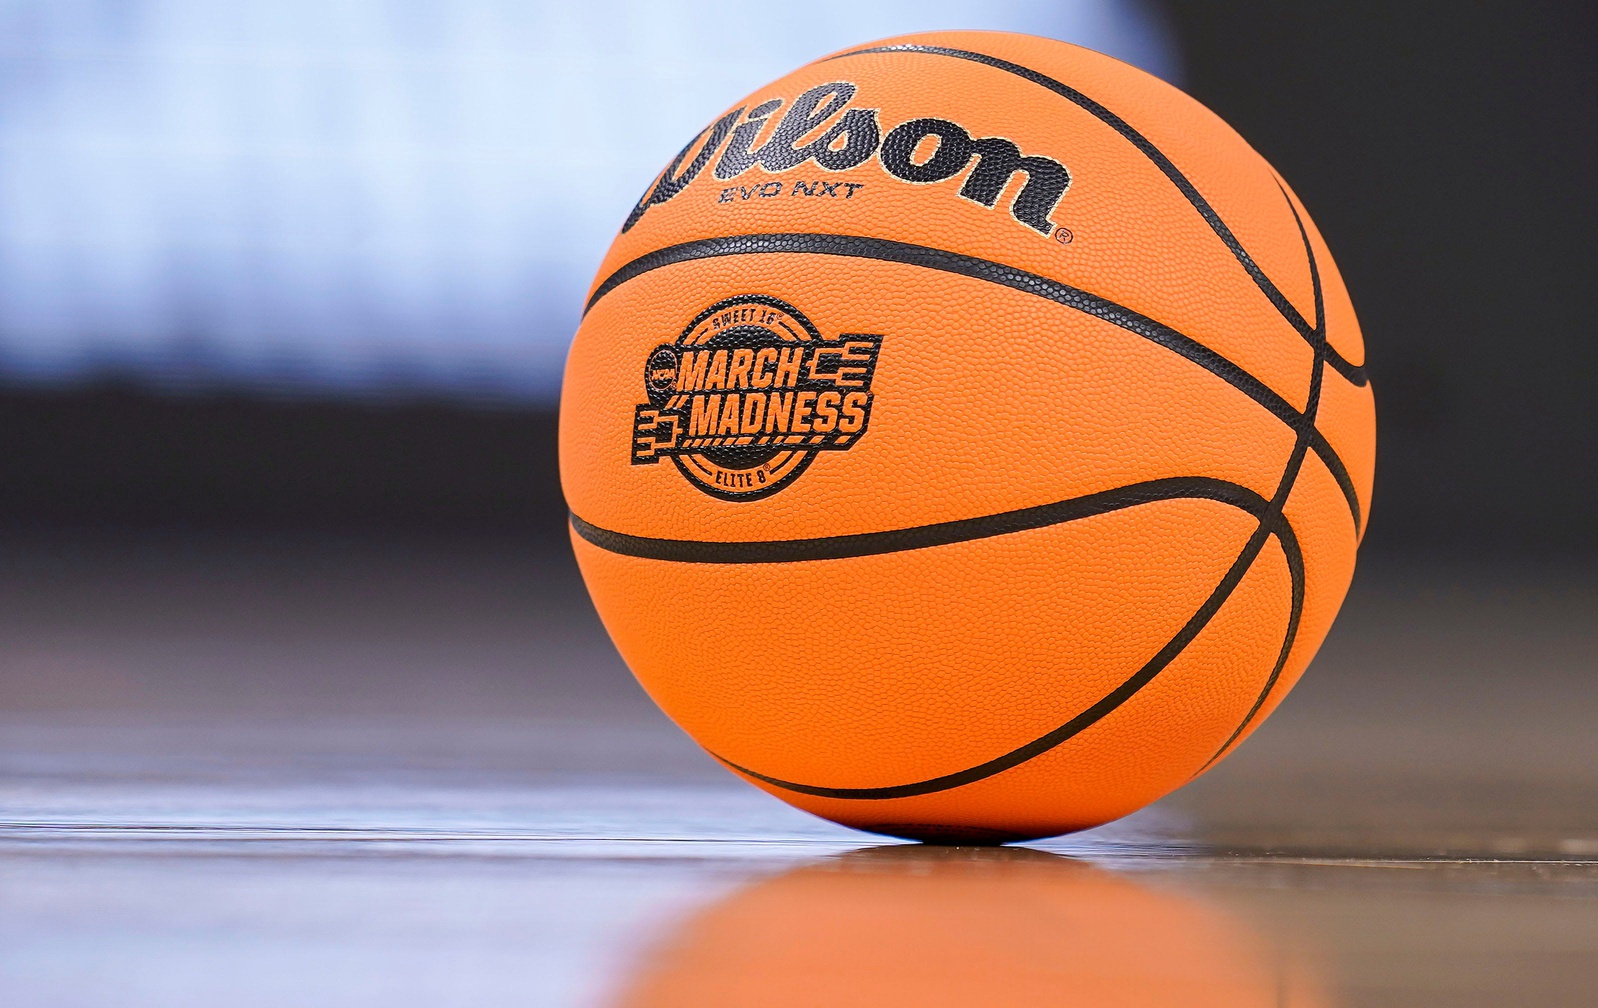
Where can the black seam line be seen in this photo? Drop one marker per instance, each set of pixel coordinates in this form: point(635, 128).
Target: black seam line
point(1296, 611)
point(1353, 372)
point(1270, 522)
point(1294, 556)
point(886, 250)
point(863, 544)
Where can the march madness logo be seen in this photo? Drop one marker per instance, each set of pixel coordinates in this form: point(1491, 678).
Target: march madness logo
point(749, 394)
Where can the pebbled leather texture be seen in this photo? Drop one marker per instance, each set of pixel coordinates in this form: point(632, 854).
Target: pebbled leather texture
point(1108, 468)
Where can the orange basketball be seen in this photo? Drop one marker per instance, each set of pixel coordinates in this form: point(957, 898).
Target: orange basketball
point(967, 438)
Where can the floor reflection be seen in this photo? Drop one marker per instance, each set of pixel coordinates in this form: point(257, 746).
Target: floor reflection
point(927, 926)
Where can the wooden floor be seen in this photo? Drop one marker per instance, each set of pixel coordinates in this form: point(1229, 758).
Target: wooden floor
point(359, 772)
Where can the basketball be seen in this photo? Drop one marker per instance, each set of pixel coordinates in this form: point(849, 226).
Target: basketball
point(967, 438)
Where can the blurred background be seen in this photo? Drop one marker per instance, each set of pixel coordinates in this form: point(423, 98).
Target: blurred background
point(294, 263)
point(297, 262)
point(285, 292)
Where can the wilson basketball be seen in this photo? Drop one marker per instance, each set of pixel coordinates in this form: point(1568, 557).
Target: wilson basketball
point(967, 438)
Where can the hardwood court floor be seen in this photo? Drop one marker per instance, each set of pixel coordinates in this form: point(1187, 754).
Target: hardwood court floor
point(354, 772)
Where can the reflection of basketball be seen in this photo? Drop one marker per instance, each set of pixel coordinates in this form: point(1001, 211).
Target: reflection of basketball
point(902, 926)
point(1002, 446)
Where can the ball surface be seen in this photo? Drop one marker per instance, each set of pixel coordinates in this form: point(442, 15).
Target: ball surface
point(967, 438)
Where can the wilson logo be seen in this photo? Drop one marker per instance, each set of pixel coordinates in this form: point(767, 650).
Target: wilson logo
point(748, 395)
point(919, 151)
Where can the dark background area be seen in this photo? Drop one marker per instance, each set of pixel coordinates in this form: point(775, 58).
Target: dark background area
point(1444, 149)
point(1446, 152)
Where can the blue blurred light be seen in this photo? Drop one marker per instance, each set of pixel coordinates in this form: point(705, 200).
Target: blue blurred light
point(344, 197)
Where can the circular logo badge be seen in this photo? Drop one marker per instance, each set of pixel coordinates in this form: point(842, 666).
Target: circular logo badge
point(749, 394)
point(660, 374)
